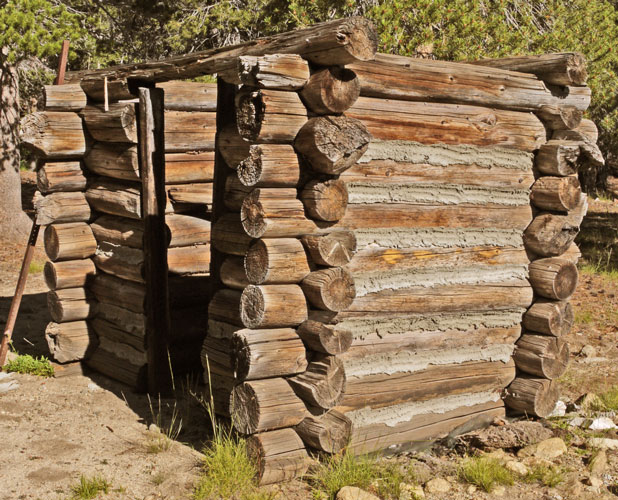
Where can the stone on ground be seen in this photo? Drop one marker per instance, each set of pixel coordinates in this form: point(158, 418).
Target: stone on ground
point(517, 467)
point(603, 443)
point(598, 463)
point(437, 485)
point(354, 493)
point(411, 492)
point(512, 435)
point(547, 449)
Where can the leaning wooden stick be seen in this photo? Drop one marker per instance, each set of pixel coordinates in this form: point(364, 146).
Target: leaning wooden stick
point(34, 234)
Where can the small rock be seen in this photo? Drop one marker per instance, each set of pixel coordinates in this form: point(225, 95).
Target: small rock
point(577, 422)
point(411, 492)
point(516, 467)
point(499, 491)
point(154, 429)
point(588, 351)
point(548, 449)
point(354, 493)
point(603, 443)
point(499, 455)
point(471, 489)
point(422, 472)
point(511, 435)
point(598, 463)
point(5, 375)
point(601, 424)
point(437, 485)
point(559, 410)
point(595, 483)
point(93, 387)
point(8, 386)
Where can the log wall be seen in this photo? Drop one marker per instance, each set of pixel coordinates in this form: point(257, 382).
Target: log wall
point(392, 242)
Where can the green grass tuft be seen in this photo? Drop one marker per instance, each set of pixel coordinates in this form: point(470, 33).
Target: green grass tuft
point(548, 475)
point(343, 469)
point(169, 429)
point(485, 472)
point(36, 267)
point(24, 363)
point(90, 487)
point(609, 399)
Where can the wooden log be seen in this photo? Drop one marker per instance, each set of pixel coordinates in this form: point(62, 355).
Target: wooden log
point(559, 194)
point(272, 306)
point(572, 254)
point(532, 396)
point(422, 429)
point(550, 235)
point(276, 261)
point(337, 42)
point(189, 167)
point(116, 160)
point(406, 162)
point(434, 123)
point(382, 390)
point(71, 341)
point(235, 193)
point(229, 236)
point(331, 90)
point(332, 144)
point(270, 165)
point(558, 158)
point(197, 194)
point(189, 96)
point(553, 278)
point(119, 231)
point(189, 131)
point(70, 304)
point(566, 68)
point(327, 339)
point(225, 306)
point(413, 79)
point(589, 149)
point(329, 432)
point(68, 274)
point(115, 198)
point(588, 129)
point(274, 213)
point(271, 71)
point(331, 289)
point(262, 405)
point(186, 230)
point(279, 456)
point(193, 259)
point(325, 200)
point(53, 134)
point(221, 329)
point(391, 258)
point(332, 249)
point(233, 274)
point(58, 176)
point(232, 146)
point(446, 298)
point(61, 207)
point(129, 321)
point(560, 117)
point(63, 97)
point(130, 346)
point(258, 354)
point(265, 116)
point(119, 292)
point(576, 216)
point(323, 384)
point(549, 317)
point(113, 365)
point(73, 240)
point(542, 355)
point(123, 262)
point(118, 124)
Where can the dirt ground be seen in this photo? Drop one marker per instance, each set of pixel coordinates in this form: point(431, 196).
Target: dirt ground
point(56, 430)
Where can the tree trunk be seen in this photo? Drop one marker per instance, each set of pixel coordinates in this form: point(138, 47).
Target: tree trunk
point(14, 223)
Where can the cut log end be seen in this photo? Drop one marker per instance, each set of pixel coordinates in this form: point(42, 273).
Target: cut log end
point(549, 317)
point(323, 384)
point(326, 201)
point(554, 278)
point(329, 432)
point(332, 144)
point(542, 355)
point(333, 249)
point(550, 235)
point(281, 260)
point(331, 90)
point(330, 289)
point(533, 396)
point(272, 306)
point(327, 339)
point(560, 194)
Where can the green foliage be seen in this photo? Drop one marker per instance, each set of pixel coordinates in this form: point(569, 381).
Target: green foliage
point(36, 28)
point(609, 398)
point(90, 487)
point(548, 475)
point(484, 472)
point(36, 267)
point(25, 363)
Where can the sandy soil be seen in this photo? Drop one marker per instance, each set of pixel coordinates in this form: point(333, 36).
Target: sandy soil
point(55, 430)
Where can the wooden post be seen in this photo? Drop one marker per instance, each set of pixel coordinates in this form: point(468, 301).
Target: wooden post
point(152, 167)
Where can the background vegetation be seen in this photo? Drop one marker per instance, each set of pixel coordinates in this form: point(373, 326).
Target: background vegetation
point(118, 31)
